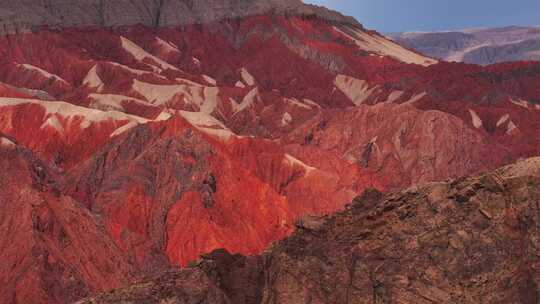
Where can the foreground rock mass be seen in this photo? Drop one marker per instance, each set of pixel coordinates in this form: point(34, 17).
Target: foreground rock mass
point(471, 240)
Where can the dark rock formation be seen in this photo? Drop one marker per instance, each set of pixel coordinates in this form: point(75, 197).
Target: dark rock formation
point(24, 15)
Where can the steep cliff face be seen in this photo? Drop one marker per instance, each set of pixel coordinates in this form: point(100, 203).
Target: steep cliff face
point(471, 240)
point(27, 15)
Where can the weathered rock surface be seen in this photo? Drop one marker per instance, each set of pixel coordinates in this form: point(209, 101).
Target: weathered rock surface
point(52, 250)
point(168, 194)
point(471, 240)
point(18, 16)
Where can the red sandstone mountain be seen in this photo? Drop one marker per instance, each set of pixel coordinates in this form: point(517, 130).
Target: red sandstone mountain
point(135, 144)
point(471, 240)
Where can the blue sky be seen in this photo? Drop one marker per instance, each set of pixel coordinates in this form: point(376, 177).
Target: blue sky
point(430, 15)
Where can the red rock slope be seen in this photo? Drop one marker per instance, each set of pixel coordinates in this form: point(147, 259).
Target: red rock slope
point(472, 240)
point(170, 142)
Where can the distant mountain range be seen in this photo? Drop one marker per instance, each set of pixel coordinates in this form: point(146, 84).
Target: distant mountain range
point(481, 45)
